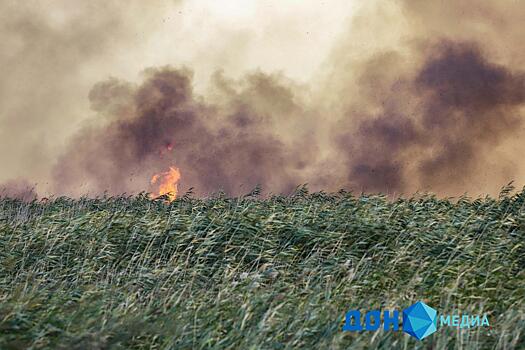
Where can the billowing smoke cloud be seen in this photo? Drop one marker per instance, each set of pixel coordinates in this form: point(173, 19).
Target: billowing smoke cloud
point(434, 97)
point(454, 108)
point(231, 146)
point(52, 54)
point(416, 96)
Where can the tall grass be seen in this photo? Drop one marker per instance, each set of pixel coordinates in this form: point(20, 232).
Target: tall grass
point(250, 273)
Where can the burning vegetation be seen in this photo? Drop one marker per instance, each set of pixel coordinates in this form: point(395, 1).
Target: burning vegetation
point(166, 184)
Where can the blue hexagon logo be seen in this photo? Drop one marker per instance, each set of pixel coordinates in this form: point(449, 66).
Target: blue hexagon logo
point(419, 320)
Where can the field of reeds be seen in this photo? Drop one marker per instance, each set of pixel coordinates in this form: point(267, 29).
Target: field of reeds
point(257, 273)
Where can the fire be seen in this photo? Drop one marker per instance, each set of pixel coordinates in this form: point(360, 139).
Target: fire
point(166, 183)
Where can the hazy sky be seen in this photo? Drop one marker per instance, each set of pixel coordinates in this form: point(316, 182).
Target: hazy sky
point(57, 50)
point(390, 96)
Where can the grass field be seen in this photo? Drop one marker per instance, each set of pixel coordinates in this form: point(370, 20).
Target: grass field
point(250, 273)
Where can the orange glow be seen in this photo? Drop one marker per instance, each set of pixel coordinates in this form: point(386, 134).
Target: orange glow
point(166, 184)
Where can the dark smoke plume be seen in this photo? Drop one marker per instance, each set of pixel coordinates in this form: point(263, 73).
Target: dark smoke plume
point(229, 147)
point(461, 104)
point(416, 96)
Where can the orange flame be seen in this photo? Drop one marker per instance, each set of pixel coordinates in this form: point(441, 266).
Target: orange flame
point(166, 184)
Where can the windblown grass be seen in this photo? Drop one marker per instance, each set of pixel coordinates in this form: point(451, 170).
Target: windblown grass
point(250, 273)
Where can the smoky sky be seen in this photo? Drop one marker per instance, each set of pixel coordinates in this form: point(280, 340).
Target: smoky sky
point(409, 98)
point(462, 105)
point(230, 147)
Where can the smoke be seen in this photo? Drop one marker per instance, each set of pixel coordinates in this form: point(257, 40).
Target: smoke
point(454, 108)
point(18, 189)
point(412, 97)
point(52, 54)
point(229, 146)
point(434, 101)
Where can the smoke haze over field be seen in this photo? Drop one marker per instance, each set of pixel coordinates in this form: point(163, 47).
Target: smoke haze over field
point(372, 96)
